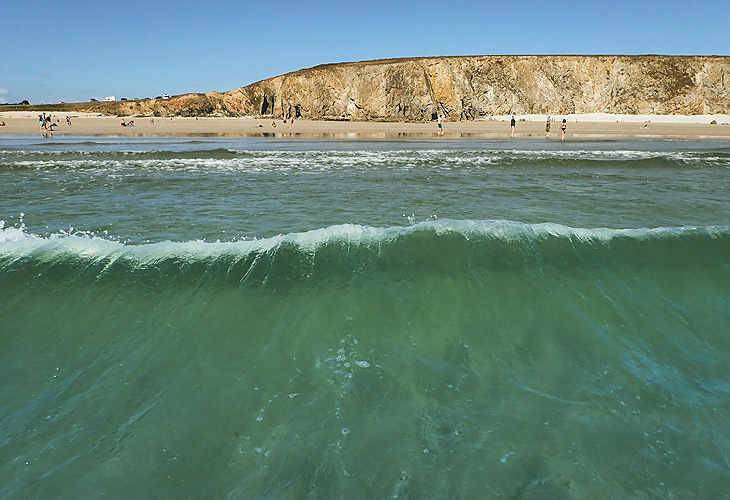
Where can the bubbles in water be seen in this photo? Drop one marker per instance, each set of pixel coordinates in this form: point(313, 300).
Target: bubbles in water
point(345, 431)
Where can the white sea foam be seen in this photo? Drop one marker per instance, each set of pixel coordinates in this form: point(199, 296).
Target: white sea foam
point(325, 161)
point(13, 234)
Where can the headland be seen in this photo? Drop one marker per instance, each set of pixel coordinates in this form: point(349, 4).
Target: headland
point(668, 96)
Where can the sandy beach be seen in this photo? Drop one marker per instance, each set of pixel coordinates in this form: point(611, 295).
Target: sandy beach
point(593, 126)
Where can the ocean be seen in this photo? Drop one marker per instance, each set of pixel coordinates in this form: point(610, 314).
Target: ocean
point(262, 318)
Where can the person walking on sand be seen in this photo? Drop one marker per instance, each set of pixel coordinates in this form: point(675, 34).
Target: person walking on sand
point(547, 128)
point(512, 124)
point(441, 126)
point(563, 127)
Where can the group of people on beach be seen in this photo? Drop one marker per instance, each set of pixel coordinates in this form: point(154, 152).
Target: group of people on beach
point(563, 127)
point(513, 125)
point(291, 123)
point(47, 123)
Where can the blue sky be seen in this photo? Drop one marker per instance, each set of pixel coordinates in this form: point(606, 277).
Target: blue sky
point(74, 50)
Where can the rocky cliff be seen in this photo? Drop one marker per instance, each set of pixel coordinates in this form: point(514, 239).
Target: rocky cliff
point(471, 87)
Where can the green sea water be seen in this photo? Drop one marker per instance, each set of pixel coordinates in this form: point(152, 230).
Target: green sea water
point(286, 319)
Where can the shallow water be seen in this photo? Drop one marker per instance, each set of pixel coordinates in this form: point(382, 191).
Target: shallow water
point(244, 318)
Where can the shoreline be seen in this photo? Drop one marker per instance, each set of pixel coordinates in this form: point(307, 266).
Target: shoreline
point(589, 126)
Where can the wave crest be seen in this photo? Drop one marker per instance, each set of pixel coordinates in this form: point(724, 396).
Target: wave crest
point(344, 252)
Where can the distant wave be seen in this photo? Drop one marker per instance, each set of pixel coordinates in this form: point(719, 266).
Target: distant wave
point(231, 160)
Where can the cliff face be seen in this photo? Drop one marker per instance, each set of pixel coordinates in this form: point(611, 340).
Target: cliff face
point(472, 87)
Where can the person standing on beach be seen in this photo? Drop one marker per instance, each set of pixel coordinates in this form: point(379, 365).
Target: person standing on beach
point(563, 127)
point(547, 128)
point(441, 126)
point(512, 124)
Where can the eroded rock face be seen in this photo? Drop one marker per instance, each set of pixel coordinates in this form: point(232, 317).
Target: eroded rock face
point(473, 87)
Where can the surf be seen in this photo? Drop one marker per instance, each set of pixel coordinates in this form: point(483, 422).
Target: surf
point(339, 252)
